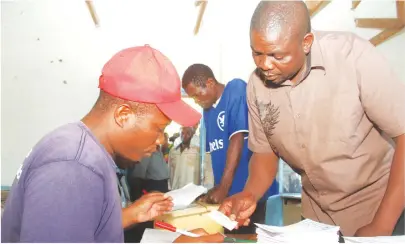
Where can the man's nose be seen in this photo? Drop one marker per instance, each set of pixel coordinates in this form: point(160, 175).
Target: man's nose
point(266, 63)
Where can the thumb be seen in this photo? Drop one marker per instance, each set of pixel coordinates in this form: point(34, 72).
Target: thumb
point(215, 238)
point(199, 231)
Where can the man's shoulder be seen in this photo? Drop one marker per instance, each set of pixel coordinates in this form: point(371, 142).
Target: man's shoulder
point(342, 42)
point(236, 84)
point(70, 142)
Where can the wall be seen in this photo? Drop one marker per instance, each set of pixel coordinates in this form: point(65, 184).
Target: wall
point(52, 54)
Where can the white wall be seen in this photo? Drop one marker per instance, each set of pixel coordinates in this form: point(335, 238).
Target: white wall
point(36, 34)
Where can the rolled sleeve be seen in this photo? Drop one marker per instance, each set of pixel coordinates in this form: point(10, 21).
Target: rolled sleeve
point(63, 202)
point(382, 94)
point(258, 142)
point(238, 116)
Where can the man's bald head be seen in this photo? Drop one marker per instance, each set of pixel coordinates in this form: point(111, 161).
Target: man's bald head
point(289, 17)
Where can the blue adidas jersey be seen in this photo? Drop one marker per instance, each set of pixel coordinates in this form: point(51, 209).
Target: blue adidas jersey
point(227, 118)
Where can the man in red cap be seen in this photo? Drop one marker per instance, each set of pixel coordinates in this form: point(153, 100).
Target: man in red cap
point(66, 189)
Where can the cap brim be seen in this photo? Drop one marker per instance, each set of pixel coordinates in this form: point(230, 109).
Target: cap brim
point(180, 112)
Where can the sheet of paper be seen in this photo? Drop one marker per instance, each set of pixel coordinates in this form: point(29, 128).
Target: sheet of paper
point(183, 197)
point(303, 231)
point(377, 239)
point(158, 236)
point(223, 220)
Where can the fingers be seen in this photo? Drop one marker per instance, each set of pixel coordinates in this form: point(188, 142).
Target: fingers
point(215, 238)
point(163, 207)
point(156, 197)
point(226, 207)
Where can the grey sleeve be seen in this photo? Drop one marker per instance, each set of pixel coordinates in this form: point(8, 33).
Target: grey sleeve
point(63, 202)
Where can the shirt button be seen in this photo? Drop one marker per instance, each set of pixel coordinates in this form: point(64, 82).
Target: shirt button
point(297, 116)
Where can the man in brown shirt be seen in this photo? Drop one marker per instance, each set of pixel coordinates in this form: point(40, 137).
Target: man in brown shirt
point(329, 105)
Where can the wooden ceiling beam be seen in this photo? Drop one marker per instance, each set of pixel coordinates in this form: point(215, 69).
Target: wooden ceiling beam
point(316, 6)
point(385, 35)
point(202, 5)
point(93, 13)
point(386, 23)
point(355, 3)
point(390, 26)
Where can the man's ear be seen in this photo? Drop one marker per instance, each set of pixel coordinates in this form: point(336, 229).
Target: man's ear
point(210, 82)
point(307, 42)
point(121, 114)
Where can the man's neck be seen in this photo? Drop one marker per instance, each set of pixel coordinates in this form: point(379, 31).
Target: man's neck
point(98, 129)
point(219, 89)
point(304, 71)
point(184, 145)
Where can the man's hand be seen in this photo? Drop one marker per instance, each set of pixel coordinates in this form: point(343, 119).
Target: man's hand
point(204, 237)
point(239, 207)
point(373, 229)
point(215, 195)
point(146, 208)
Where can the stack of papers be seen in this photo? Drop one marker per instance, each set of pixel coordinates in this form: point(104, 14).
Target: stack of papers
point(306, 231)
point(377, 239)
point(183, 197)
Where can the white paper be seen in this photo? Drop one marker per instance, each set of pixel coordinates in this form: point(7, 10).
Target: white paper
point(301, 232)
point(223, 220)
point(377, 239)
point(183, 197)
point(158, 236)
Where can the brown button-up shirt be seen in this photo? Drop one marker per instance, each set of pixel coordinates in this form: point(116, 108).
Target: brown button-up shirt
point(334, 128)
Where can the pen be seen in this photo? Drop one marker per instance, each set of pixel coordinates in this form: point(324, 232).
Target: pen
point(170, 227)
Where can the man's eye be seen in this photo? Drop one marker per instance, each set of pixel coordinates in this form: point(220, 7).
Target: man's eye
point(278, 57)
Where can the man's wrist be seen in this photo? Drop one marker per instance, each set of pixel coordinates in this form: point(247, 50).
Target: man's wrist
point(225, 185)
point(131, 215)
point(252, 192)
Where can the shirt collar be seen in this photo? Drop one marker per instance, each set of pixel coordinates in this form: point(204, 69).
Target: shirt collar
point(315, 60)
point(316, 55)
point(217, 102)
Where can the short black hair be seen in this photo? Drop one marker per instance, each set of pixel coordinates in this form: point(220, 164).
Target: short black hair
point(198, 74)
point(106, 101)
point(281, 14)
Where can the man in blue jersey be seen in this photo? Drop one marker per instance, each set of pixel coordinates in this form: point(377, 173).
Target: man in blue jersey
point(226, 121)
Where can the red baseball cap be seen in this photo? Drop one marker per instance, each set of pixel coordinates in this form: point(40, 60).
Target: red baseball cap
point(143, 74)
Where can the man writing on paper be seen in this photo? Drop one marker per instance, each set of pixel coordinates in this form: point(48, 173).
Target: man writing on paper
point(329, 105)
point(66, 189)
point(225, 118)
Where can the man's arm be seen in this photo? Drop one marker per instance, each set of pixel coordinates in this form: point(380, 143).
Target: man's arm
point(392, 204)
point(264, 162)
point(262, 171)
point(63, 202)
point(383, 100)
point(232, 159)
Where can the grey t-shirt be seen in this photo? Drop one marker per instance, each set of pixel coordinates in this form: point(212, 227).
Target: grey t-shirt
point(151, 168)
point(66, 191)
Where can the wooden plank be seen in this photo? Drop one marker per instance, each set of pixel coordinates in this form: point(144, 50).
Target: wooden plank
point(385, 35)
point(316, 6)
point(202, 5)
point(355, 3)
point(382, 23)
point(401, 10)
point(92, 10)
